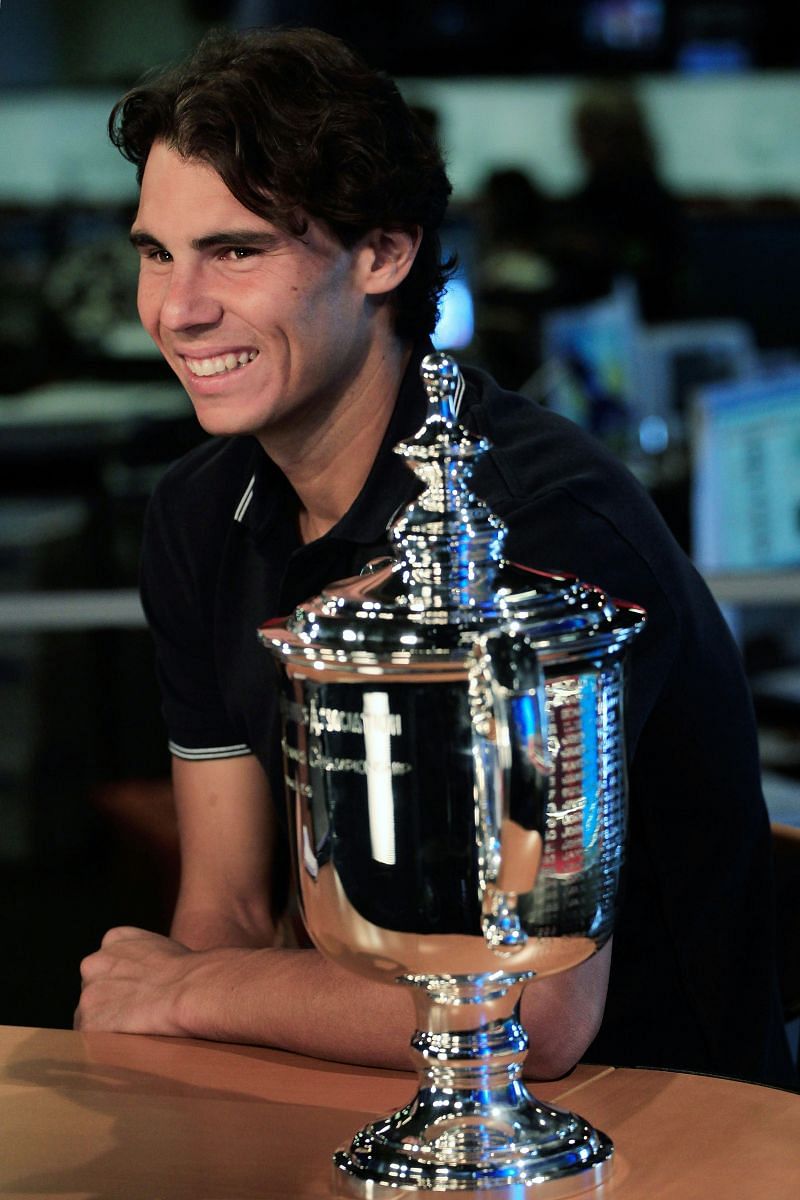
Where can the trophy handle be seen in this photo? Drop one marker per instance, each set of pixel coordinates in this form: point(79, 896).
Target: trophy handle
point(509, 749)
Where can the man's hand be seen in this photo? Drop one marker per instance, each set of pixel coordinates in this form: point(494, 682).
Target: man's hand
point(132, 983)
point(140, 982)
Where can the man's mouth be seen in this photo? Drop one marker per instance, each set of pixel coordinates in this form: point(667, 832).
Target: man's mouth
point(220, 364)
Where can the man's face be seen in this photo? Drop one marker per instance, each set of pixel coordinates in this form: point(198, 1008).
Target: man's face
point(261, 327)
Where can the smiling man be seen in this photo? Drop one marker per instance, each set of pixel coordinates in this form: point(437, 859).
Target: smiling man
point(272, 333)
point(290, 276)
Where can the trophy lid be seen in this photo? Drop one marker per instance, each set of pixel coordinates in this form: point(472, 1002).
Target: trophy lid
point(449, 579)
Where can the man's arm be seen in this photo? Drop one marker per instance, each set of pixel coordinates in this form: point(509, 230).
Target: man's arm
point(297, 1000)
point(221, 977)
point(227, 837)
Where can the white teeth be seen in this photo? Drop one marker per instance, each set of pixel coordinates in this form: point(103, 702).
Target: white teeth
point(221, 363)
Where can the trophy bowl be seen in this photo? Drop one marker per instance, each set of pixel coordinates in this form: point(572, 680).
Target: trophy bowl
point(453, 752)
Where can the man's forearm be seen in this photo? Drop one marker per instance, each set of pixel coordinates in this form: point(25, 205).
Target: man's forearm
point(296, 1000)
point(140, 982)
point(299, 1000)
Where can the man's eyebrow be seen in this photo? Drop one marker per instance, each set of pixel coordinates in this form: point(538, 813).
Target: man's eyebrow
point(235, 237)
point(141, 238)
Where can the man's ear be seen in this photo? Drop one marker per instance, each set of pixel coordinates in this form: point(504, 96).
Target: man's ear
point(387, 257)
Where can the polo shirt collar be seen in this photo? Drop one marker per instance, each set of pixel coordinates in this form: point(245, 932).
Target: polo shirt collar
point(273, 502)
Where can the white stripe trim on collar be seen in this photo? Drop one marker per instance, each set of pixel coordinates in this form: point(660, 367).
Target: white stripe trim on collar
point(244, 503)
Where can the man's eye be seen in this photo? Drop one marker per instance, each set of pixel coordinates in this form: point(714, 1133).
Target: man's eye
point(238, 253)
point(159, 256)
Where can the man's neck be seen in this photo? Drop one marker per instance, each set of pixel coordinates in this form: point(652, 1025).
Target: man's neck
point(329, 459)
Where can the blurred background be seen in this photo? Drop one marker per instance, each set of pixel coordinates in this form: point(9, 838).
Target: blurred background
point(627, 220)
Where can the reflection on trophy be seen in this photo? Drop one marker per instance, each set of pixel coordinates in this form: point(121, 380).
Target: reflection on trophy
point(454, 761)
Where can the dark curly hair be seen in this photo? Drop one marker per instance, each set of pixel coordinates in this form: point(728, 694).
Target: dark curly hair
point(296, 125)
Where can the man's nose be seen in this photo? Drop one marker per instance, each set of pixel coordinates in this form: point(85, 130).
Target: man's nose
point(188, 301)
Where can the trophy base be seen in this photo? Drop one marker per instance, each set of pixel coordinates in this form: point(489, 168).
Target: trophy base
point(473, 1125)
point(555, 1154)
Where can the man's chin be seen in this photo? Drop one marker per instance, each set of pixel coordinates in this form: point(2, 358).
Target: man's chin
point(216, 414)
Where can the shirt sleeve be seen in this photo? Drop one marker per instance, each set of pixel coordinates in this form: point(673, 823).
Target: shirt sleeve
point(177, 588)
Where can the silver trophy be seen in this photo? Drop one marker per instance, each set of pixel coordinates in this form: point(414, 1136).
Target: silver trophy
point(454, 761)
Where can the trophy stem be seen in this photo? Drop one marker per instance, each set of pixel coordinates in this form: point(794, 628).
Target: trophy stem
point(473, 1125)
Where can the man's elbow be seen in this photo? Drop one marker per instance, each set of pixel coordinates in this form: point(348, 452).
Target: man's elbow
point(562, 1014)
point(555, 1052)
point(211, 929)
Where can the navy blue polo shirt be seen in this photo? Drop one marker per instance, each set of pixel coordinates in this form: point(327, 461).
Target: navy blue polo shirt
point(692, 979)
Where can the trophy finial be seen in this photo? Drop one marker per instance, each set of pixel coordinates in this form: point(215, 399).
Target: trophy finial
point(443, 383)
point(449, 540)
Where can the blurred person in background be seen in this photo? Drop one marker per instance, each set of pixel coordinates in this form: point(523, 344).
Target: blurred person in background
point(623, 221)
point(516, 281)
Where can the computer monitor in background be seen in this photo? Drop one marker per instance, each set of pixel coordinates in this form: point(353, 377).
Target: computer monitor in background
point(455, 327)
point(678, 357)
point(591, 364)
point(632, 384)
point(746, 481)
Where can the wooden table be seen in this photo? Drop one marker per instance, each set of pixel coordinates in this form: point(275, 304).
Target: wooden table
point(122, 1117)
